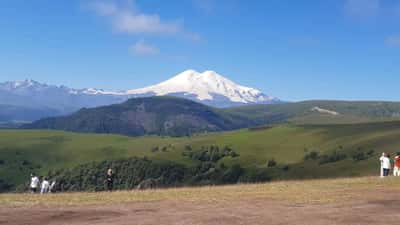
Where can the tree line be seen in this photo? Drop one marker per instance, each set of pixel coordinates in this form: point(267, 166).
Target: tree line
point(143, 173)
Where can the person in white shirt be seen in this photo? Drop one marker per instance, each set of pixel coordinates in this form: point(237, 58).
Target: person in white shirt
point(385, 165)
point(381, 168)
point(45, 186)
point(34, 183)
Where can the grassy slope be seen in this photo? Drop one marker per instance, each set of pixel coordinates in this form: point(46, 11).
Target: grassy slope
point(314, 192)
point(140, 116)
point(301, 113)
point(286, 144)
point(162, 115)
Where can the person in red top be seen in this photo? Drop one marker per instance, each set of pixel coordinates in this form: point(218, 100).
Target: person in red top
point(396, 169)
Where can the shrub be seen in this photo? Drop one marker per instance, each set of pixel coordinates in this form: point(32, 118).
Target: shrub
point(255, 175)
point(188, 148)
point(5, 186)
point(371, 153)
point(211, 153)
point(232, 174)
point(234, 154)
point(359, 156)
point(335, 156)
point(271, 163)
point(285, 168)
point(25, 162)
point(313, 155)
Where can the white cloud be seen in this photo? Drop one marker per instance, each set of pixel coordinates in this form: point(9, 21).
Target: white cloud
point(362, 9)
point(130, 20)
point(393, 41)
point(104, 8)
point(141, 48)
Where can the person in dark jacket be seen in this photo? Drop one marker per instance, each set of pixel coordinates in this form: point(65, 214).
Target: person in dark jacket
point(110, 179)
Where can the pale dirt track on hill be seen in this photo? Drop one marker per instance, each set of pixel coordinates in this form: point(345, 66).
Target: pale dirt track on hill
point(377, 207)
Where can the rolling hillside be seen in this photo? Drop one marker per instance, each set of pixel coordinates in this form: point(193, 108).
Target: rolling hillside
point(172, 116)
point(281, 152)
point(320, 112)
point(142, 116)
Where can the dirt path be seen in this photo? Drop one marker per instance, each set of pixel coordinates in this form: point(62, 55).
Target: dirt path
point(373, 208)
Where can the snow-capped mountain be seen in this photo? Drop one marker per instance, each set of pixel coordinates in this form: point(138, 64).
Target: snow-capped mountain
point(208, 88)
point(28, 100)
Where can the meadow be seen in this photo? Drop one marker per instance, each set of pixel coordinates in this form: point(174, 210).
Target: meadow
point(26, 151)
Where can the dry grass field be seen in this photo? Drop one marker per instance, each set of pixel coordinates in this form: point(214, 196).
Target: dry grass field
point(368, 200)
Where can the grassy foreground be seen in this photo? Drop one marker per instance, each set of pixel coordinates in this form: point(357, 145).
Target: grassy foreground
point(310, 192)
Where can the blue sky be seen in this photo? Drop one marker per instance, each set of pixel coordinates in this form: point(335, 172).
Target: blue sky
point(294, 50)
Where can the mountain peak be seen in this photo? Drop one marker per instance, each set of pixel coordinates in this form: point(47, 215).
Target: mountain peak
point(189, 72)
point(208, 86)
point(18, 84)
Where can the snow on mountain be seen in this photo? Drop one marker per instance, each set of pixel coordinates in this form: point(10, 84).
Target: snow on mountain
point(13, 85)
point(205, 87)
point(208, 88)
point(60, 100)
point(35, 87)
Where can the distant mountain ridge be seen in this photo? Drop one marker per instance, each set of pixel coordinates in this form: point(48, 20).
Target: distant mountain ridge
point(45, 100)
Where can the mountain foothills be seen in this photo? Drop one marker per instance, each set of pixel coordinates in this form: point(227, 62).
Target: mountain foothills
point(320, 112)
point(30, 100)
point(163, 115)
point(172, 116)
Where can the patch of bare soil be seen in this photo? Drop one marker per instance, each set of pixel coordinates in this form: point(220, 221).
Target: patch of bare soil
point(373, 208)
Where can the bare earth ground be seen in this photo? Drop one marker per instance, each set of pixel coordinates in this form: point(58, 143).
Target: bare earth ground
point(343, 201)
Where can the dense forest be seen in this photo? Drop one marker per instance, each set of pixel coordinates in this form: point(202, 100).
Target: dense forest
point(143, 173)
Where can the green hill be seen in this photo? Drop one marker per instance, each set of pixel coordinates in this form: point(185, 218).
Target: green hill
point(281, 152)
point(320, 112)
point(172, 116)
point(146, 116)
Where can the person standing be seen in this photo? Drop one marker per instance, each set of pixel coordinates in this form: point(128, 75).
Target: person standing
point(110, 179)
point(52, 187)
point(381, 168)
point(45, 186)
point(385, 165)
point(396, 168)
point(34, 183)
